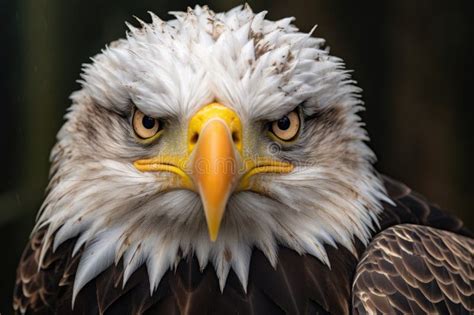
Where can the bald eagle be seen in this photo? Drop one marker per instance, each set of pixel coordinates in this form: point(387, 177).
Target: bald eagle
point(216, 164)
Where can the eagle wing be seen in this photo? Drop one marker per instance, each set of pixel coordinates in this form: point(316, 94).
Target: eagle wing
point(414, 269)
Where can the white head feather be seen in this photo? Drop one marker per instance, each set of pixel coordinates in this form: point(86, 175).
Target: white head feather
point(262, 70)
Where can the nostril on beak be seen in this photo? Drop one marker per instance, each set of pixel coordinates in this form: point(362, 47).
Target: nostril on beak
point(235, 137)
point(194, 138)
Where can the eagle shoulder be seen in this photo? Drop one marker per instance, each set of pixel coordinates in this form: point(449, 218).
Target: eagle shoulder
point(420, 261)
point(414, 269)
point(41, 283)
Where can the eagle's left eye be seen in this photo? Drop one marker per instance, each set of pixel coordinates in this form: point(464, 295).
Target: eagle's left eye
point(286, 128)
point(145, 126)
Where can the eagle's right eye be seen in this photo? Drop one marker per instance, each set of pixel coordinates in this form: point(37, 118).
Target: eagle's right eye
point(145, 127)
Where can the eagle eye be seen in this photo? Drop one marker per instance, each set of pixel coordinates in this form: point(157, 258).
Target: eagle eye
point(145, 126)
point(286, 128)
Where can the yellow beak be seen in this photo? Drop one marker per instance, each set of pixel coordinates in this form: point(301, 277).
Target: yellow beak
point(215, 133)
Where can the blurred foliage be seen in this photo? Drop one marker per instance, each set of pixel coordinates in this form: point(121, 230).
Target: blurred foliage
point(414, 60)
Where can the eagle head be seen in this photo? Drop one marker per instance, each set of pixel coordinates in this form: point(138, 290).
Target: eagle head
point(209, 135)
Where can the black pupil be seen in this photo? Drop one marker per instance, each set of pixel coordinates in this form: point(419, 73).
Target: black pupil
point(284, 123)
point(148, 122)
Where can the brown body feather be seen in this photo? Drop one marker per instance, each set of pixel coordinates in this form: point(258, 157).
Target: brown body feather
point(299, 285)
point(413, 269)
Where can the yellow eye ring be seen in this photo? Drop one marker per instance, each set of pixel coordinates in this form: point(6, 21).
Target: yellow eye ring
point(287, 127)
point(145, 126)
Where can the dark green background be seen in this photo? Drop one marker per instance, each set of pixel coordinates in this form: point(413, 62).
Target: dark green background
point(414, 60)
